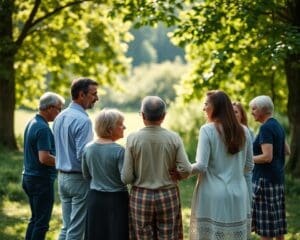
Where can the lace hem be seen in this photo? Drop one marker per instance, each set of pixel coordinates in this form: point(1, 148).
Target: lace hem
point(207, 229)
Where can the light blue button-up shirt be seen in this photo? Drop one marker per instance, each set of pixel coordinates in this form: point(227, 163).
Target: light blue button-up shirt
point(72, 131)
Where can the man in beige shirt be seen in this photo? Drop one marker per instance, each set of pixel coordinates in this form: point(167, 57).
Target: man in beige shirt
point(151, 154)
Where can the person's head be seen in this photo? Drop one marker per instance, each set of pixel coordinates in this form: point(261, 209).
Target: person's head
point(240, 113)
point(109, 124)
point(219, 110)
point(218, 106)
point(50, 105)
point(84, 92)
point(153, 109)
point(262, 108)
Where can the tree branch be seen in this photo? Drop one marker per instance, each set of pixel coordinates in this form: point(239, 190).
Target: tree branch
point(30, 23)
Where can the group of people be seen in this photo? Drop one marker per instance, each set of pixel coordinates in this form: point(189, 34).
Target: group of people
point(240, 178)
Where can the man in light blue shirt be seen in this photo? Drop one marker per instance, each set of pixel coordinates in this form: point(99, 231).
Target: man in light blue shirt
point(72, 131)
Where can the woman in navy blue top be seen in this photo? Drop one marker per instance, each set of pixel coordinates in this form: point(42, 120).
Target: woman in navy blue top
point(269, 150)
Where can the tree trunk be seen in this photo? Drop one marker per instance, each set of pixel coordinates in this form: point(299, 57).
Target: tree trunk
point(292, 70)
point(7, 77)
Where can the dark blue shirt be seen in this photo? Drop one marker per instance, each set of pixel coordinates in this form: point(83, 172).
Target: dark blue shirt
point(38, 137)
point(271, 132)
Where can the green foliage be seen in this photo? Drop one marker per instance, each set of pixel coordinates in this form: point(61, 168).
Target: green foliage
point(234, 45)
point(186, 119)
point(65, 40)
point(292, 186)
point(152, 45)
point(150, 79)
point(10, 176)
point(148, 12)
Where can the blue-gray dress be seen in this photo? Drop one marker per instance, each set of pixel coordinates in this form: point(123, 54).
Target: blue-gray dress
point(220, 204)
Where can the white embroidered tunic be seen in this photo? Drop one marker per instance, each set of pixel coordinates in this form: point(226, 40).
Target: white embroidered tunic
point(220, 204)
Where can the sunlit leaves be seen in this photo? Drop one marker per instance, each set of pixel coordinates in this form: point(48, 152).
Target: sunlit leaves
point(148, 12)
point(238, 46)
point(78, 40)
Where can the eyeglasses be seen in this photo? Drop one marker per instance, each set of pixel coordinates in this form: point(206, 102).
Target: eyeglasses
point(57, 108)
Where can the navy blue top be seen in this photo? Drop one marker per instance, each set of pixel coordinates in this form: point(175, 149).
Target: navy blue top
point(38, 137)
point(271, 132)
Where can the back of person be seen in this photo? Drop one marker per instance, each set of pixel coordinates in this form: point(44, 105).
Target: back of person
point(224, 187)
point(155, 153)
point(150, 155)
point(102, 162)
point(221, 203)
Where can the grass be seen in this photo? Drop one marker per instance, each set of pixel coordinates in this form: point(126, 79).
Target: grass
point(15, 212)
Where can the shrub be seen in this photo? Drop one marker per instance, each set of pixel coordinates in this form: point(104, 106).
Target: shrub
point(186, 119)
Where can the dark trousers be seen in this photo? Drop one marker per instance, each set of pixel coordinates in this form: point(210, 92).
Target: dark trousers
point(107, 217)
point(40, 192)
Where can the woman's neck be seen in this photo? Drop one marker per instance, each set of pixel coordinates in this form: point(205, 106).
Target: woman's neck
point(104, 140)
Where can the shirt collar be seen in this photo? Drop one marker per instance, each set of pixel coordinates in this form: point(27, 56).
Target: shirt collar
point(78, 107)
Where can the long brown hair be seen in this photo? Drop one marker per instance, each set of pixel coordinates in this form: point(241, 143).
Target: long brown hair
point(227, 125)
point(244, 119)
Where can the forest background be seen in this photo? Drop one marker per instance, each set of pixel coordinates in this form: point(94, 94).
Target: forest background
point(246, 48)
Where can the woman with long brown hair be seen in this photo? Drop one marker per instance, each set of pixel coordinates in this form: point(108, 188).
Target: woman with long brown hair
point(220, 205)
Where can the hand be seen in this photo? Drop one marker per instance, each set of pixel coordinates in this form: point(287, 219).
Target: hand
point(175, 175)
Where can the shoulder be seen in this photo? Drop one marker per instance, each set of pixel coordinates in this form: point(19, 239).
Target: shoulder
point(208, 127)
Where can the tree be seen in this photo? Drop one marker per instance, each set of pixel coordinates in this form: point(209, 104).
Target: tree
point(43, 44)
point(246, 47)
point(254, 46)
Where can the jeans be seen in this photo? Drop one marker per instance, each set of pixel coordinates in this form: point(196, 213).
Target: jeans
point(40, 192)
point(73, 190)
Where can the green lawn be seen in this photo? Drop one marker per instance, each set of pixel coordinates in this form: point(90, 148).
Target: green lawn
point(14, 209)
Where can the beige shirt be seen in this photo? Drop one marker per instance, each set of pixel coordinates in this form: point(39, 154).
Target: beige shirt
point(149, 156)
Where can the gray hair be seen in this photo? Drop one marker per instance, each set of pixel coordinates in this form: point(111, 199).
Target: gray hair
point(49, 99)
point(106, 121)
point(153, 107)
point(263, 103)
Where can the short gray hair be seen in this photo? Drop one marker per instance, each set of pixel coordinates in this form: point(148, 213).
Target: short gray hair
point(153, 108)
point(49, 99)
point(106, 121)
point(263, 103)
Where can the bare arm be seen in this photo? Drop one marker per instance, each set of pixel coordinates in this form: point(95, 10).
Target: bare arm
point(46, 158)
point(266, 156)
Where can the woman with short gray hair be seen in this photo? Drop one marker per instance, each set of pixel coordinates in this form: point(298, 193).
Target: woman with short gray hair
point(102, 162)
point(269, 150)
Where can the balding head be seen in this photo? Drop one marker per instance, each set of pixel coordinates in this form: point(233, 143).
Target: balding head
point(153, 108)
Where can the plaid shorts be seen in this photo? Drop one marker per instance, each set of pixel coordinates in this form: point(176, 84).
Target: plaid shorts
point(268, 209)
point(155, 214)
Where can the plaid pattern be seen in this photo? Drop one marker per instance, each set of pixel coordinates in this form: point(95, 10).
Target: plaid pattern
point(268, 216)
point(155, 214)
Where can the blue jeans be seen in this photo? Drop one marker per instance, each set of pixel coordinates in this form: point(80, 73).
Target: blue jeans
point(40, 192)
point(73, 190)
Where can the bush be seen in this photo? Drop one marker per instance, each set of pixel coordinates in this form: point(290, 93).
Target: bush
point(186, 120)
point(151, 79)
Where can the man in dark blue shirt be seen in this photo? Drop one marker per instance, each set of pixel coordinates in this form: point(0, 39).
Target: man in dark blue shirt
point(39, 170)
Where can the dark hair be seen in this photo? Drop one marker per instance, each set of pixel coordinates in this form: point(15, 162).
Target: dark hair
point(244, 119)
point(153, 108)
point(227, 125)
point(81, 84)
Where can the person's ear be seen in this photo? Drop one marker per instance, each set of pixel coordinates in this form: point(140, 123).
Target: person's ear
point(81, 94)
point(143, 116)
